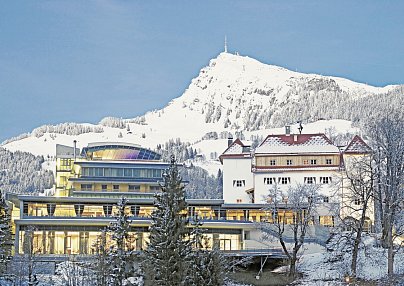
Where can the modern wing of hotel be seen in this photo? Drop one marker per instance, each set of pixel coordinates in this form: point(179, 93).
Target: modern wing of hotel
point(90, 181)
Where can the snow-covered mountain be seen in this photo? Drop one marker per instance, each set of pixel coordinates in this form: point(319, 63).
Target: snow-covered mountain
point(233, 94)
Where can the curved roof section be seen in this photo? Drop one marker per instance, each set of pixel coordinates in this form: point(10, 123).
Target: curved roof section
point(118, 151)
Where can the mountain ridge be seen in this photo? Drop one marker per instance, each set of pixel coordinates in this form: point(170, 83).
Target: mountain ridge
point(232, 94)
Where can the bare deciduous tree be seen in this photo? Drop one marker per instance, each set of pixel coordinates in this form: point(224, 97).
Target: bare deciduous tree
point(386, 135)
point(357, 185)
point(301, 202)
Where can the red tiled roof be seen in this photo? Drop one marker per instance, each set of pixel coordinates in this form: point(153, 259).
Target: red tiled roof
point(357, 145)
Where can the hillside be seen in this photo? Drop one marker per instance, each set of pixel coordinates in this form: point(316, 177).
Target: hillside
point(233, 94)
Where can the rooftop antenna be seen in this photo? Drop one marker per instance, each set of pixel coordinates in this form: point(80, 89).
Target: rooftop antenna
point(225, 43)
point(300, 127)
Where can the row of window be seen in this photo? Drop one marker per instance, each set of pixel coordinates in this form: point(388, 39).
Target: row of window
point(116, 188)
point(121, 172)
point(289, 162)
point(319, 199)
point(286, 180)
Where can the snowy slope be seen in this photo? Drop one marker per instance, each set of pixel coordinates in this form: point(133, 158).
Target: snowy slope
point(233, 93)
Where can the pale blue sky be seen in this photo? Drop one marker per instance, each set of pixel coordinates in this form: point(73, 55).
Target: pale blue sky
point(83, 60)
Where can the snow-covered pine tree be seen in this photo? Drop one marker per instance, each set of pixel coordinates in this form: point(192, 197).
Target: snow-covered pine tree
point(100, 265)
point(167, 257)
point(120, 254)
point(6, 241)
point(208, 267)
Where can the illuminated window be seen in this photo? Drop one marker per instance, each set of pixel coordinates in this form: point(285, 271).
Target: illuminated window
point(305, 162)
point(326, 220)
point(269, 181)
point(289, 162)
point(328, 161)
point(65, 162)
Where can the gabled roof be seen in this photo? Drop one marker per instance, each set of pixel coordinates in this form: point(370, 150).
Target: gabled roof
point(296, 143)
point(236, 149)
point(357, 146)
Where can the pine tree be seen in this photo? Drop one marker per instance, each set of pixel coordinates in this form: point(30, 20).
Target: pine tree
point(5, 235)
point(120, 254)
point(208, 267)
point(100, 265)
point(166, 259)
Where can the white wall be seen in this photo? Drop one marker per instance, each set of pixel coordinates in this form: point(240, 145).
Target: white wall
point(296, 177)
point(236, 169)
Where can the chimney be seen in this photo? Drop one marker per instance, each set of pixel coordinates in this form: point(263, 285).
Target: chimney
point(229, 140)
point(287, 130)
point(74, 149)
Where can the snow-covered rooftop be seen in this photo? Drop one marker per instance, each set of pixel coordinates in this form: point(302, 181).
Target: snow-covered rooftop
point(357, 145)
point(297, 143)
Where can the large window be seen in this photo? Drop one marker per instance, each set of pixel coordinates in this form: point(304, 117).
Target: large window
point(313, 162)
point(328, 161)
point(289, 162)
point(65, 162)
point(272, 162)
point(121, 172)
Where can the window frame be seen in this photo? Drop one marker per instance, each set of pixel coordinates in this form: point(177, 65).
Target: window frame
point(310, 180)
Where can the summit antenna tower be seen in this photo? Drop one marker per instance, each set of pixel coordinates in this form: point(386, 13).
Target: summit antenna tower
point(225, 44)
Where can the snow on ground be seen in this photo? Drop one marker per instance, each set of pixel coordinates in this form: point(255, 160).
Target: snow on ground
point(331, 267)
point(150, 137)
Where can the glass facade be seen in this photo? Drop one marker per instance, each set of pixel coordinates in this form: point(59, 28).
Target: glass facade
point(70, 242)
point(121, 172)
point(117, 152)
point(67, 241)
